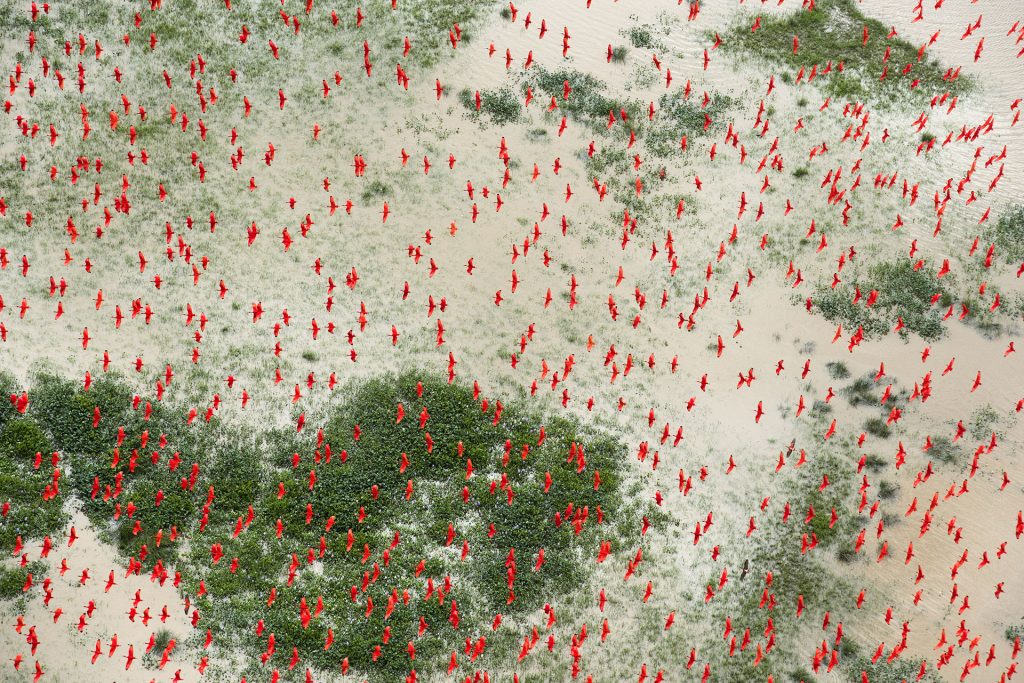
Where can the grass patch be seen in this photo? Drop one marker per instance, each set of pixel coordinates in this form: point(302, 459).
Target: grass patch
point(376, 188)
point(887, 490)
point(861, 392)
point(945, 451)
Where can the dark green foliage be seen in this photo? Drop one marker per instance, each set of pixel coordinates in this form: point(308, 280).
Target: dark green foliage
point(887, 490)
point(833, 32)
point(8, 387)
point(376, 189)
point(861, 392)
point(1008, 234)
point(22, 484)
point(902, 292)
point(360, 485)
point(501, 104)
point(874, 463)
point(12, 578)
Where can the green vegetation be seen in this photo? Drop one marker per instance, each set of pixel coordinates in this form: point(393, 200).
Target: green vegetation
point(861, 392)
point(801, 172)
point(640, 37)
point(778, 547)
point(876, 426)
point(1008, 234)
point(984, 421)
point(887, 490)
point(874, 463)
point(833, 32)
point(679, 116)
point(26, 478)
point(501, 105)
point(209, 474)
point(902, 292)
point(376, 188)
point(837, 370)
point(12, 579)
point(619, 54)
point(945, 451)
point(588, 101)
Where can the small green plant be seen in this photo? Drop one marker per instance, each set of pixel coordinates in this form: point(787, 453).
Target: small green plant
point(860, 392)
point(801, 172)
point(887, 490)
point(641, 38)
point(876, 426)
point(944, 450)
point(874, 463)
point(619, 54)
point(845, 553)
point(837, 370)
point(375, 189)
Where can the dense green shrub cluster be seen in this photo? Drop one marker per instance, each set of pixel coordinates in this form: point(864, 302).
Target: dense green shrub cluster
point(588, 100)
point(398, 483)
point(500, 104)
point(902, 292)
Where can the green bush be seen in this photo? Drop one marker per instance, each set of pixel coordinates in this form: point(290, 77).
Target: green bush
point(945, 451)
